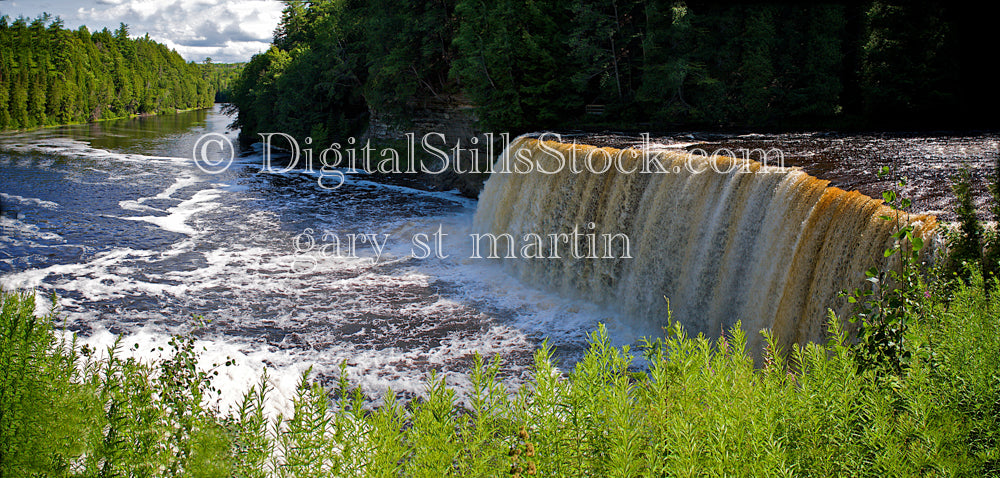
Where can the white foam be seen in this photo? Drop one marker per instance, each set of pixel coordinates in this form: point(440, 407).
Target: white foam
point(246, 368)
point(391, 321)
point(135, 205)
point(33, 201)
point(678, 145)
point(451, 195)
point(11, 228)
point(178, 215)
point(81, 149)
point(351, 178)
point(179, 183)
point(183, 180)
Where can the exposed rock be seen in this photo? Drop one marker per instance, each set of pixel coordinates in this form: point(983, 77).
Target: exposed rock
point(446, 121)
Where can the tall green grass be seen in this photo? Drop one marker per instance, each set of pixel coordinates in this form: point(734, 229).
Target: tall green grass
point(63, 413)
point(699, 407)
point(44, 404)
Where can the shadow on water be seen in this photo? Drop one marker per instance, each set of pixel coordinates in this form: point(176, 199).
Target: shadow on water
point(134, 135)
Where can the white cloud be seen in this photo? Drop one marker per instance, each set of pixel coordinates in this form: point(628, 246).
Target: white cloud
point(225, 30)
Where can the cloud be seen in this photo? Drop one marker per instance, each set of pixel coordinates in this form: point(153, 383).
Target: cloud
point(226, 30)
point(215, 33)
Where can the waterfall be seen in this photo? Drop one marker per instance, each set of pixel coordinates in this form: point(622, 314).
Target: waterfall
point(724, 239)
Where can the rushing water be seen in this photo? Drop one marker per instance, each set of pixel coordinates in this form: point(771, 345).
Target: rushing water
point(135, 239)
point(851, 161)
point(725, 241)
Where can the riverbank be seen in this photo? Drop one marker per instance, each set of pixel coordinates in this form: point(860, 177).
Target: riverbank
point(105, 120)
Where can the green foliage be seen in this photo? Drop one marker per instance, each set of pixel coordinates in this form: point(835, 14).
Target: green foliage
point(965, 243)
point(409, 48)
point(909, 63)
point(66, 413)
point(50, 75)
point(886, 307)
point(970, 245)
point(43, 405)
point(512, 62)
point(536, 65)
point(253, 446)
point(958, 362)
point(129, 440)
point(756, 83)
point(696, 407)
point(602, 38)
point(183, 391)
point(311, 81)
point(991, 256)
point(221, 76)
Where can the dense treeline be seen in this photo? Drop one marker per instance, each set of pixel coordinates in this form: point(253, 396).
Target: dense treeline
point(51, 75)
point(221, 76)
point(645, 62)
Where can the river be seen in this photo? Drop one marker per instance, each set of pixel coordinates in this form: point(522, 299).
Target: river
point(138, 240)
point(135, 239)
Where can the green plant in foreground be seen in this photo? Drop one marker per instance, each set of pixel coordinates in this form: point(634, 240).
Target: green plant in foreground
point(885, 307)
point(699, 407)
point(252, 446)
point(43, 405)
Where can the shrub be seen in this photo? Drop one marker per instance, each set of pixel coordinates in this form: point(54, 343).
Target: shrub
point(44, 405)
point(991, 256)
point(690, 406)
point(892, 295)
point(966, 243)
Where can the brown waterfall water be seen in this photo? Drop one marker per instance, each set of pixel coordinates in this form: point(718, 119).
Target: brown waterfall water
point(724, 240)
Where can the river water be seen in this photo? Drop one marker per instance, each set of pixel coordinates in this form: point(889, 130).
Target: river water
point(927, 161)
point(137, 240)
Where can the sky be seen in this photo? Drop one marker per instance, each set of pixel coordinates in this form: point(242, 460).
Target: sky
point(226, 31)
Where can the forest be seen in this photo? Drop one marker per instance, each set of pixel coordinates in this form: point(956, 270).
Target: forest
point(630, 64)
point(51, 75)
point(220, 76)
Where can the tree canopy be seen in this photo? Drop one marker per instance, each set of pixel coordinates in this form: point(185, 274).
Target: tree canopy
point(51, 75)
point(645, 63)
